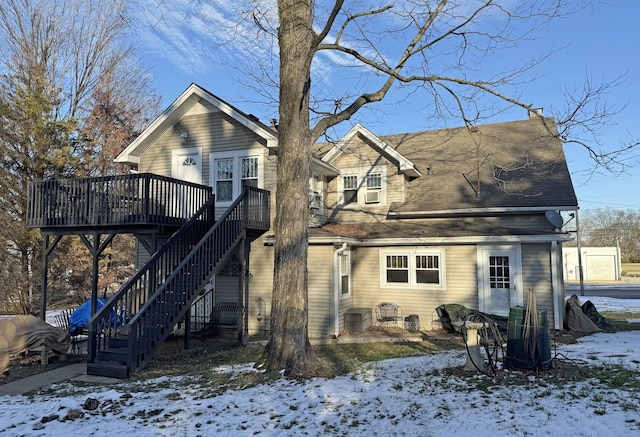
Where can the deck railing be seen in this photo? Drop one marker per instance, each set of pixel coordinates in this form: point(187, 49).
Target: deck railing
point(143, 198)
point(159, 295)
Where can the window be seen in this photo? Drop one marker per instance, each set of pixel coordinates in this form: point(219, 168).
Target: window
point(316, 202)
point(374, 188)
point(418, 268)
point(230, 172)
point(398, 269)
point(427, 269)
point(250, 171)
point(362, 186)
point(224, 180)
point(499, 272)
point(350, 189)
point(345, 273)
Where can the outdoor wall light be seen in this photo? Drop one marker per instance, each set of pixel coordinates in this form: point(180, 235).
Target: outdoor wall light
point(183, 136)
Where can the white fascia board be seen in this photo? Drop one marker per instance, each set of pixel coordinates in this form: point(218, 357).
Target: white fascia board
point(466, 240)
point(441, 240)
point(168, 114)
point(324, 167)
point(477, 211)
point(406, 166)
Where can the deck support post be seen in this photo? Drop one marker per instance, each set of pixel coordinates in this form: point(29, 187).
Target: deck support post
point(46, 250)
point(96, 248)
point(242, 283)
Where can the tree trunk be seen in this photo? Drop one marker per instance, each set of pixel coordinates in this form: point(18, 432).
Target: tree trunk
point(289, 346)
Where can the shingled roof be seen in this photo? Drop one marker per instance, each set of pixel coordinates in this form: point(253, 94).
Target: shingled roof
point(511, 165)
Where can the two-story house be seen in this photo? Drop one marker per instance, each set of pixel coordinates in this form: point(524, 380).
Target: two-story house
point(464, 215)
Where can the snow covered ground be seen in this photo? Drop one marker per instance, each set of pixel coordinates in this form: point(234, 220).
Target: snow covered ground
point(408, 396)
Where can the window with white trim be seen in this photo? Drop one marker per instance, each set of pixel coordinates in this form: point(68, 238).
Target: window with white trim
point(350, 190)
point(412, 268)
point(316, 198)
point(232, 171)
point(224, 180)
point(249, 171)
point(362, 186)
point(345, 273)
point(373, 185)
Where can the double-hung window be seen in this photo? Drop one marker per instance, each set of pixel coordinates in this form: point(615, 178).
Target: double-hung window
point(362, 186)
point(415, 268)
point(230, 172)
point(345, 273)
point(350, 192)
point(373, 192)
point(224, 179)
point(249, 166)
point(316, 200)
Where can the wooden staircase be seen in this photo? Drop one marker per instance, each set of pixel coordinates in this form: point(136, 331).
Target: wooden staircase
point(127, 332)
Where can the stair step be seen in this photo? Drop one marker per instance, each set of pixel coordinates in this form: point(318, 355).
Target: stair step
point(119, 342)
point(112, 354)
point(109, 369)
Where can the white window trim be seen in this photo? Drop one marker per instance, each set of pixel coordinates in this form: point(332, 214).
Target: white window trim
point(346, 253)
point(236, 155)
point(316, 186)
point(361, 173)
point(411, 255)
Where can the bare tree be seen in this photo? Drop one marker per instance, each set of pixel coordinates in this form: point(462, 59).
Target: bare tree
point(64, 108)
point(612, 227)
point(437, 46)
point(336, 59)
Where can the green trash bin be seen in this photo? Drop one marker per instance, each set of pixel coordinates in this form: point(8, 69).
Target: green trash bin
point(516, 356)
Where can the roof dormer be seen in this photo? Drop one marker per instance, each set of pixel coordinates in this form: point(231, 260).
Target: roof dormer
point(405, 166)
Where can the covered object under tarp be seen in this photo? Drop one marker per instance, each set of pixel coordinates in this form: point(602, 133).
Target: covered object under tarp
point(453, 312)
point(575, 319)
point(29, 334)
point(79, 320)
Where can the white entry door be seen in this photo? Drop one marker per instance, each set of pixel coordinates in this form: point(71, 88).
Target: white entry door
point(499, 279)
point(187, 166)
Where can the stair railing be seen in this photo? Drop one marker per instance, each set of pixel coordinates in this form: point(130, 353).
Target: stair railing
point(136, 291)
point(169, 304)
point(171, 298)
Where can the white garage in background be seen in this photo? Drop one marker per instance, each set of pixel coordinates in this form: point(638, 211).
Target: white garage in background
point(598, 263)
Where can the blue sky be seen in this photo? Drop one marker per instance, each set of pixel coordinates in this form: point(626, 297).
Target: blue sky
point(601, 42)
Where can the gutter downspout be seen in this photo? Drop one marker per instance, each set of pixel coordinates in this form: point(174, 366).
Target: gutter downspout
point(558, 297)
point(336, 289)
point(580, 271)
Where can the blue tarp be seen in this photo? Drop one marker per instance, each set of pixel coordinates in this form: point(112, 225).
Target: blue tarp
point(79, 320)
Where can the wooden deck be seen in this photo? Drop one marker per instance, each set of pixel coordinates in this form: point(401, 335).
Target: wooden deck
point(126, 333)
point(118, 202)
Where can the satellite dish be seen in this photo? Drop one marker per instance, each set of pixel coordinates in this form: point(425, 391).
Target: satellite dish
point(554, 218)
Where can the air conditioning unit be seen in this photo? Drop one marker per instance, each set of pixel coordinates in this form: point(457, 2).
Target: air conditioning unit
point(372, 197)
point(315, 201)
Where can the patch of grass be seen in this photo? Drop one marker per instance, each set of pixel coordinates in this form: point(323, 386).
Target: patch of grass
point(619, 320)
point(345, 358)
point(631, 269)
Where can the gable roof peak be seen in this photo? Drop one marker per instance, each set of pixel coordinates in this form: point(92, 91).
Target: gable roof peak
point(178, 108)
point(404, 164)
